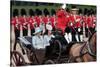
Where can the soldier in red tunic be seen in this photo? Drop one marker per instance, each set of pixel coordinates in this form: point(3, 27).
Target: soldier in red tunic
point(31, 22)
point(46, 16)
point(15, 22)
point(68, 34)
point(90, 23)
point(61, 19)
point(75, 23)
point(14, 28)
point(45, 19)
point(85, 22)
point(94, 20)
point(37, 17)
point(23, 23)
point(81, 23)
point(53, 18)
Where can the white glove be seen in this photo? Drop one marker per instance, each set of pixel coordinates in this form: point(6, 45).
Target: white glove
point(71, 24)
point(79, 29)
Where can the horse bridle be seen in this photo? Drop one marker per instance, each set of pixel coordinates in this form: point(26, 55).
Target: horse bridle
point(89, 50)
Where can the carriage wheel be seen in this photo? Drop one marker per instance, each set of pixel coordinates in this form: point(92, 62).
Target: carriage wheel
point(27, 52)
point(49, 62)
point(57, 48)
point(31, 56)
point(17, 58)
point(18, 44)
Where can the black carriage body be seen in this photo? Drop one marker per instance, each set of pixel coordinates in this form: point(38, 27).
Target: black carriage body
point(54, 52)
point(57, 50)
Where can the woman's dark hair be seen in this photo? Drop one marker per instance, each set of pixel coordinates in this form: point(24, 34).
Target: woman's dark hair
point(46, 32)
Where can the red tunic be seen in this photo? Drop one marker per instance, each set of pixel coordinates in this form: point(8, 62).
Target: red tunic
point(52, 20)
point(85, 21)
point(67, 20)
point(78, 23)
point(94, 18)
point(45, 20)
point(71, 21)
point(20, 22)
point(61, 19)
point(13, 22)
point(31, 22)
point(94, 21)
point(75, 19)
point(24, 22)
point(89, 21)
point(38, 20)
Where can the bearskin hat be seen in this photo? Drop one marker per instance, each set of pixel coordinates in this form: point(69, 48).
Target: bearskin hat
point(46, 12)
point(53, 12)
point(23, 12)
point(80, 11)
point(15, 12)
point(31, 12)
point(85, 11)
point(38, 12)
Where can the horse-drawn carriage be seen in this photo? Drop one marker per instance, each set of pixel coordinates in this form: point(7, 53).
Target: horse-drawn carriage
point(57, 52)
point(52, 54)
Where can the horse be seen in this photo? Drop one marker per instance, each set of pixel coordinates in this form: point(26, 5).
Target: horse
point(83, 52)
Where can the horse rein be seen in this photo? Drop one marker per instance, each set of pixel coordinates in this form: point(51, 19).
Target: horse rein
point(89, 51)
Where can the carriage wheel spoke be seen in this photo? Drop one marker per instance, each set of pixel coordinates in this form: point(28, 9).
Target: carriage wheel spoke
point(17, 58)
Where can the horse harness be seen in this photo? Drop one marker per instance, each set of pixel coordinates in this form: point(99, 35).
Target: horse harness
point(85, 49)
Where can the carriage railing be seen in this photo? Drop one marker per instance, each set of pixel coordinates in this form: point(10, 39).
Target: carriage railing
point(24, 40)
point(28, 49)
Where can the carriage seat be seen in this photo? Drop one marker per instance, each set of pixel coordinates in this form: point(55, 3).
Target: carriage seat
point(26, 41)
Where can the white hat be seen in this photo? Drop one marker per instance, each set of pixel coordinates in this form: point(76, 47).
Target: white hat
point(48, 27)
point(37, 30)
